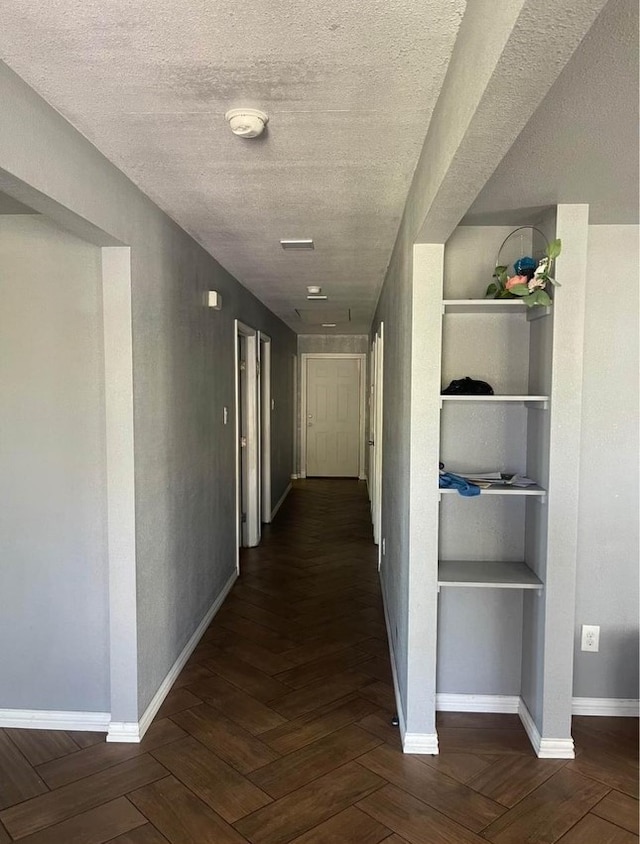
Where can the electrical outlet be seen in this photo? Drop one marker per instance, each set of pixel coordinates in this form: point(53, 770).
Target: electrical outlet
point(590, 637)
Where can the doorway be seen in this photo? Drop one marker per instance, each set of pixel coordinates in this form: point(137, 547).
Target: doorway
point(264, 378)
point(247, 438)
point(332, 411)
point(375, 429)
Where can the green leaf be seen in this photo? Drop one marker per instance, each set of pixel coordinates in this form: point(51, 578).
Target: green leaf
point(543, 298)
point(519, 290)
point(555, 247)
point(492, 289)
point(499, 271)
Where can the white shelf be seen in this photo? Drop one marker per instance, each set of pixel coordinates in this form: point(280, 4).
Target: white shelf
point(502, 490)
point(492, 306)
point(487, 575)
point(499, 399)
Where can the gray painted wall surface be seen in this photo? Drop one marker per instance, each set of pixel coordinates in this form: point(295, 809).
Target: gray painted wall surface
point(53, 576)
point(182, 369)
point(607, 581)
point(394, 309)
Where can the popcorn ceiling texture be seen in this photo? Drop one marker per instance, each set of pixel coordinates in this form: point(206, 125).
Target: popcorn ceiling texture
point(349, 89)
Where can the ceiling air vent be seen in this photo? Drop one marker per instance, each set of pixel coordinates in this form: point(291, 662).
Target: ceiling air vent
point(306, 243)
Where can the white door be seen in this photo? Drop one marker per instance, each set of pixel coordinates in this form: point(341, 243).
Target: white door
point(333, 417)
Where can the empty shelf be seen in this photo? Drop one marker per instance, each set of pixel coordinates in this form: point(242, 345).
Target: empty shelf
point(487, 574)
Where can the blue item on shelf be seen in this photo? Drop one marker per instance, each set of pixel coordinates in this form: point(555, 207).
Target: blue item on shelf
point(450, 481)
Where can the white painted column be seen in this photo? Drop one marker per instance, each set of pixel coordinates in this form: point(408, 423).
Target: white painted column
point(121, 529)
point(420, 729)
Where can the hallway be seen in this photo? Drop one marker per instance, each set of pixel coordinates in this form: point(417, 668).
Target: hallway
point(278, 730)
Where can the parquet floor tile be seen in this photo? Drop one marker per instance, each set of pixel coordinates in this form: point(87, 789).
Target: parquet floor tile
point(278, 730)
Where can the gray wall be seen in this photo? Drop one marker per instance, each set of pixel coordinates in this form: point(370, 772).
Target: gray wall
point(394, 310)
point(607, 584)
point(183, 357)
point(53, 577)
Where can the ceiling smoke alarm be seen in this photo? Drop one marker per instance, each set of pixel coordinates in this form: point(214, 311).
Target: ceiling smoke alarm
point(246, 122)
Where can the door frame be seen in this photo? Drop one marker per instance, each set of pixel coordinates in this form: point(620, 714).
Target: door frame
point(377, 428)
point(249, 406)
point(362, 369)
point(264, 422)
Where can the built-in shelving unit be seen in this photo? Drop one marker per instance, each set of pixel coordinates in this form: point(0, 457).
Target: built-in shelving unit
point(502, 563)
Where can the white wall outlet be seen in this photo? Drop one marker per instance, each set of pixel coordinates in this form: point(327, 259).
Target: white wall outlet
point(590, 637)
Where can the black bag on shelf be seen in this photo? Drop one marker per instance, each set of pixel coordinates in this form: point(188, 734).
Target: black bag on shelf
point(468, 387)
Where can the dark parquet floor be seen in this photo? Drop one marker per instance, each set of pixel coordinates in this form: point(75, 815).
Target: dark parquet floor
point(278, 730)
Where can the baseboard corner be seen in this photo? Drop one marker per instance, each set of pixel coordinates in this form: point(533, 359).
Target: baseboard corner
point(133, 731)
point(125, 732)
point(420, 743)
point(281, 501)
point(545, 748)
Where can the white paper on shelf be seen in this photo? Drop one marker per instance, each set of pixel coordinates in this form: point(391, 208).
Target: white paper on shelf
point(485, 479)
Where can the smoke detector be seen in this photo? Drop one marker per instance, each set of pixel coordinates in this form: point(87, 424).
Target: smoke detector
point(246, 122)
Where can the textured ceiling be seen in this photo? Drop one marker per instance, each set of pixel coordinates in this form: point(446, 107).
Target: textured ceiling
point(581, 145)
point(349, 88)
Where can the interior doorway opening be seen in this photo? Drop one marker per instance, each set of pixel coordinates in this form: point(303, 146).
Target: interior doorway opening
point(375, 436)
point(266, 407)
point(247, 438)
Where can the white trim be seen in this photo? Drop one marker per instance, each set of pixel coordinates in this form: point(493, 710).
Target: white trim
point(264, 424)
point(295, 477)
point(120, 468)
point(124, 732)
point(545, 748)
point(42, 719)
point(131, 731)
point(281, 501)
point(607, 706)
point(247, 535)
point(478, 703)
point(425, 743)
point(362, 374)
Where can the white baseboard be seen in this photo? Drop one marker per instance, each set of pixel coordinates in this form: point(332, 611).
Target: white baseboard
point(132, 731)
point(125, 732)
point(294, 477)
point(607, 706)
point(425, 743)
point(280, 502)
point(477, 703)
point(545, 748)
point(40, 719)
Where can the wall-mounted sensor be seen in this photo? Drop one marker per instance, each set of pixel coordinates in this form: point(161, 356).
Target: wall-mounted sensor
point(246, 122)
point(214, 300)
